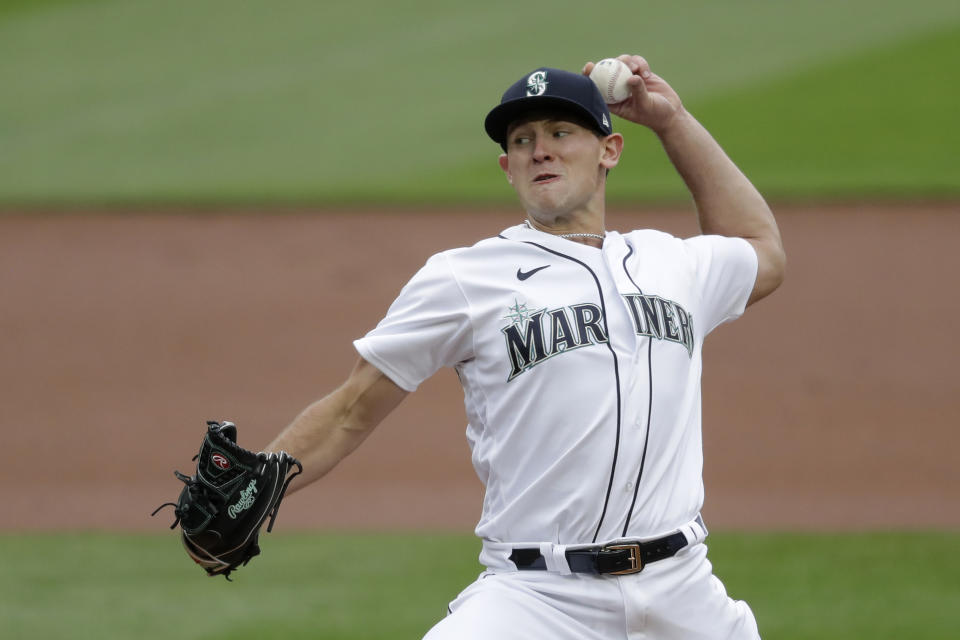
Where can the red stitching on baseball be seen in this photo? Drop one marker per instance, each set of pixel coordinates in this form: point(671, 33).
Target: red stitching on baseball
point(611, 82)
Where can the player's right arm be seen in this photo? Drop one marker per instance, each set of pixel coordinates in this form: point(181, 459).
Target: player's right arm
point(727, 202)
point(329, 429)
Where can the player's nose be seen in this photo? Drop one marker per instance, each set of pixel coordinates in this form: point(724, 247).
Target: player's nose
point(541, 150)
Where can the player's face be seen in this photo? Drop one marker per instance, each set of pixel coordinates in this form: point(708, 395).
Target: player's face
point(558, 167)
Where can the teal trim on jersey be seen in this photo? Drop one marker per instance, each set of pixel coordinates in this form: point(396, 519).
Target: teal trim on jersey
point(112, 101)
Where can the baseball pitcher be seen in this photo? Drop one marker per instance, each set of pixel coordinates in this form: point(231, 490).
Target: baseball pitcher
point(579, 351)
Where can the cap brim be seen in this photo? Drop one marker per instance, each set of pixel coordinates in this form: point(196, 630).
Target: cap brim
point(500, 117)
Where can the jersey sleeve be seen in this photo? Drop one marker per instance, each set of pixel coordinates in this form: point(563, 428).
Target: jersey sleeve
point(726, 271)
point(427, 327)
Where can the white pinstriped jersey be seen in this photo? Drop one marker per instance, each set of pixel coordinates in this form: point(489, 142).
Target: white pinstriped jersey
point(581, 372)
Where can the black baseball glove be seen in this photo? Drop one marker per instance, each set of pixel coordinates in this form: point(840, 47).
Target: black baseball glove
point(227, 500)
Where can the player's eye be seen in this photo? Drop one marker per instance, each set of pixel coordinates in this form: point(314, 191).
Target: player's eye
point(521, 140)
point(561, 134)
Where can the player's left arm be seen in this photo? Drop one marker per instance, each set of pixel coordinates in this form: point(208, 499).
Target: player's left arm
point(727, 202)
point(328, 430)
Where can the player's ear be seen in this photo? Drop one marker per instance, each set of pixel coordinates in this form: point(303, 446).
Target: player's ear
point(612, 148)
point(505, 165)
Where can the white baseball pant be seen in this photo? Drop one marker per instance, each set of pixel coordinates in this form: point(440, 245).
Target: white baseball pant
point(674, 598)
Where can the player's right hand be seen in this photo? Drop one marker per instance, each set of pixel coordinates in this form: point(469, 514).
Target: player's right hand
point(652, 103)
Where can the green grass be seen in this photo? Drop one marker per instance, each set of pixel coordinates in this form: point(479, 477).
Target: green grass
point(306, 586)
point(876, 124)
point(876, 585)
point(372, 586)
point(123, 101)
point(879, 122)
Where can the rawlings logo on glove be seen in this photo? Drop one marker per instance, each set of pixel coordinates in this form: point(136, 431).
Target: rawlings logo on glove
point(245, 501)
point(224, 504)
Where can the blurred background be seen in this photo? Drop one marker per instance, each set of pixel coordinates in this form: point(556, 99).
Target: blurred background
point(176, 102)
point(203, 203)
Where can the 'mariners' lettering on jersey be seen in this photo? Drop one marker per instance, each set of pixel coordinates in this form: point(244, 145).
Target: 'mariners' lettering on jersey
point(662, 319)
point(536, 336)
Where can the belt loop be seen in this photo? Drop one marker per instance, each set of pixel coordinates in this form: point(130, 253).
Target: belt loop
point(695, 532)
point(555, 556)
point(703, 526)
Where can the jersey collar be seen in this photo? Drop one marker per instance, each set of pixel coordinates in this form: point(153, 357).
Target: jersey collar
point(523, 233)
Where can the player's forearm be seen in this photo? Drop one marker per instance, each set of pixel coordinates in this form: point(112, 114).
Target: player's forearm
point(328, 430)
point(320, 437)
point(727, 202)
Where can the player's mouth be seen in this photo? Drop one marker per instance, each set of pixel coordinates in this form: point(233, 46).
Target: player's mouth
point(545, 178)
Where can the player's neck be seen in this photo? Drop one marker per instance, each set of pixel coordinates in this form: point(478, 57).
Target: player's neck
point(584, 232)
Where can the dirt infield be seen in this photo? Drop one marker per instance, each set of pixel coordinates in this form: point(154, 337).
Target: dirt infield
point(831, 405)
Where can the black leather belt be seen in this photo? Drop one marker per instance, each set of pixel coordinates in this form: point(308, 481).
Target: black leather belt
point(615, 559)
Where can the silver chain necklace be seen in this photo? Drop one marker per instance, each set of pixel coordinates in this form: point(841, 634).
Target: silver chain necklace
point(581, 235)
point(570, 235)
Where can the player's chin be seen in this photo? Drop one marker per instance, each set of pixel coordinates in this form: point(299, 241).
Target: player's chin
point(549, 194)
point(543, 208)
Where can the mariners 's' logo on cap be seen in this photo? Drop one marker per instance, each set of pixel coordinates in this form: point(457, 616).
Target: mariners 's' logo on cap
point(537, 83)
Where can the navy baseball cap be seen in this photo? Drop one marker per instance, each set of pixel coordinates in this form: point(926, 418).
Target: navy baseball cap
point(547, 88)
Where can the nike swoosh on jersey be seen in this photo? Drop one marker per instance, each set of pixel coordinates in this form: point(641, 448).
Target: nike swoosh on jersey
point(523, 275)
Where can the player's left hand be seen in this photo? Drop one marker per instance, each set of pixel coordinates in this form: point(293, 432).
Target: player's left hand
point(652, 102)
point(227, 500)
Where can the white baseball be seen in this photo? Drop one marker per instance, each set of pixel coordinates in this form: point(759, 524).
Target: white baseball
point(610, 75)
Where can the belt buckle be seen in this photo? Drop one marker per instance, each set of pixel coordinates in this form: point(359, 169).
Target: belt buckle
point(636, 562)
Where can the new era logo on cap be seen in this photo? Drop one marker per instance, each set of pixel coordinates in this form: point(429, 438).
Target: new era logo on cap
point(549, 89)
